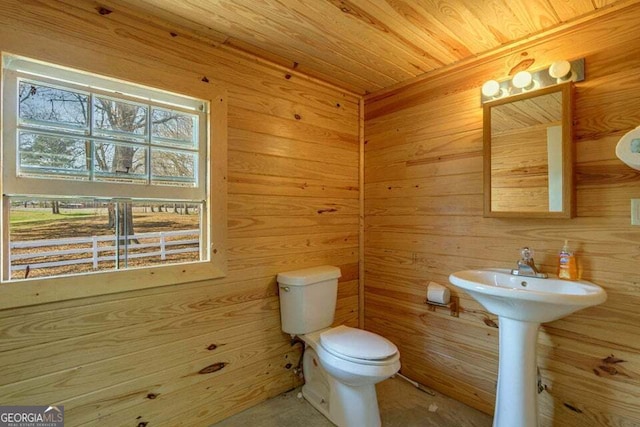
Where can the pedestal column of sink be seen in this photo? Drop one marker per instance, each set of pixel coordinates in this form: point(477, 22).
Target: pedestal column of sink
point(532, 300)
point(517, 397)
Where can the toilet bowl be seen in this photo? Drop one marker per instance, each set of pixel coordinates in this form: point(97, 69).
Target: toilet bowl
point(340, 384)
point(341, 365)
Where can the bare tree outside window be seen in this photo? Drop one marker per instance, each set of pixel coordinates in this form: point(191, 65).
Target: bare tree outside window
point(123, 149)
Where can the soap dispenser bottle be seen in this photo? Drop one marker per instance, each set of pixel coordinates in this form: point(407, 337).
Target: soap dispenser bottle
point(567, 268)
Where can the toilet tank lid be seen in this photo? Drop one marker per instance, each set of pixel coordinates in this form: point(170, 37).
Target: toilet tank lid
point(308, 276)
point(357, 343)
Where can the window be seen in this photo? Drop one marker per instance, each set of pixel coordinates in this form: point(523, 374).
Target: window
point(100, 176)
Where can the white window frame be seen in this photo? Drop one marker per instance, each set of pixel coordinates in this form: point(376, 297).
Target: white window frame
point(211, 189)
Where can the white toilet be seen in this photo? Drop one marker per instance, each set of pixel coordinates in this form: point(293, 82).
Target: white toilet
point(341, 365)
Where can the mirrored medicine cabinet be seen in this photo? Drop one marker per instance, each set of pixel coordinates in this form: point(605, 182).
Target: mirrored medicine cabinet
point(528, 154)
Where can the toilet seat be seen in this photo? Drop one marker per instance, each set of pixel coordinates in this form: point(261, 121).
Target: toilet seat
point(358, 346)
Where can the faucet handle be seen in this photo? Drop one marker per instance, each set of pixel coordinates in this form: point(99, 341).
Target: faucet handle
point(526, 253)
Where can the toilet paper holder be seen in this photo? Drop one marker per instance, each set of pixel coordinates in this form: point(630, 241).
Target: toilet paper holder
point(453, 306)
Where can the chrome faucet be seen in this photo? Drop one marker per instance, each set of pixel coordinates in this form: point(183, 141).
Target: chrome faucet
point(527, 266)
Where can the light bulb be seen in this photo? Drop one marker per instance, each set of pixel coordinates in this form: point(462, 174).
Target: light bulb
point(522, 80)
point(560, 70)
point(491, 88)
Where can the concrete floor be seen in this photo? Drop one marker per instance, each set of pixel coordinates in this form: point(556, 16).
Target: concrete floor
point(401, 405)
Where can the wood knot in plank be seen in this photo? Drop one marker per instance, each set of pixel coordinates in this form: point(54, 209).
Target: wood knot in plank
point(608, 365)
point(173, 34)
point(205, 79)
point(287, 76)
point(212, 368)
point(212, 347)
point(151, 396)
point(288, 366)
point(490, 322)
point(611, 370)
point(612, 360)
point(297, 116)
point(142, 424)
point(104, 11)
point(573, 408)
point(321, 211)
point(521, 66)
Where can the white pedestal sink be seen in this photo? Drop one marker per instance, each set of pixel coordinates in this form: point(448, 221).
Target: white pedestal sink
point(522, 304)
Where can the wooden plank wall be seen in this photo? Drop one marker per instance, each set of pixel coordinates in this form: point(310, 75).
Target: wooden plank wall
point(193, 354)
point(423, 221)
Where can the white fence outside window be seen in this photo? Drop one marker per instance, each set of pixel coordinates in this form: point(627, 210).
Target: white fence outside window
point(161, 244)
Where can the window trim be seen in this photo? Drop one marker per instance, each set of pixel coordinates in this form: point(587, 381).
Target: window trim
point(41, 290)
point(35, 185)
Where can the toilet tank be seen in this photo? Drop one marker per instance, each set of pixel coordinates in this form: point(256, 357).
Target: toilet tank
point(308, 298)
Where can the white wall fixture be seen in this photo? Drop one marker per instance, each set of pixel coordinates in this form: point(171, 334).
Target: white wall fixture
point(560, 71)
point(491, 88)
point(628, 148)
point(523, 80)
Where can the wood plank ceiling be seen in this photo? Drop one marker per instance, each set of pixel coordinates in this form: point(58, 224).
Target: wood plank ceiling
point(367, 45)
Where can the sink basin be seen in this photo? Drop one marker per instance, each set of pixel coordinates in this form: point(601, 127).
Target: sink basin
point(522, 303)
point(528, 299)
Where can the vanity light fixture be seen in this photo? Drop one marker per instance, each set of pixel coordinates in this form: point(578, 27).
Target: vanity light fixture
point(561, 71)
point(491, 88)
point(523, 80)
point(558, 72)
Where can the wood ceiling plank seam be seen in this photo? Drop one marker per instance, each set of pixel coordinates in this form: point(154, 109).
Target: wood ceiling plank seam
point(299, 58)
point(397, 68)
point(536, 14)
point(271, 33)
point(375, 52)
point(417, 59)
point(249, 47)
point(567, 10)
point(407, 42)
point(279, 36)
point(501, 20)
point(359, 37)
point(402, 29)
point(351, 89)
point(305, 66)
point(203, 32)
point(355, 85)
point(470, 30)
point(603, 3)
point(559, 33)
point(424, 21)
point(230, 55)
